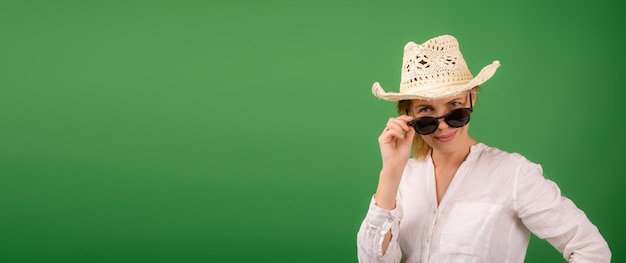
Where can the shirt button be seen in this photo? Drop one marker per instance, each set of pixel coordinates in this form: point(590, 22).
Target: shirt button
point(390, 219)
point(426, 240)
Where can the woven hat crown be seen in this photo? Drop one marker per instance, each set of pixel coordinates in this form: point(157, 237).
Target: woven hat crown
point(434, 70)
point(434, 63)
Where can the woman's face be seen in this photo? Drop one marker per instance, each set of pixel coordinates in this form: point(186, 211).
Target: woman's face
point(445, 138)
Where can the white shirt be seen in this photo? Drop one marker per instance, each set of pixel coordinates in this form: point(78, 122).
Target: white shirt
point(493, 201)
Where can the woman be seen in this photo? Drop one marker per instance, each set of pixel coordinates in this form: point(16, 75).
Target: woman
point(459, 200)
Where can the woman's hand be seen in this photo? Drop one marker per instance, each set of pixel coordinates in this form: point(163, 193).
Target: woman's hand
point(395, 142)
point(395, 147)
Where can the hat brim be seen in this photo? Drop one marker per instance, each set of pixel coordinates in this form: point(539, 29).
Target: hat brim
point(437, 92)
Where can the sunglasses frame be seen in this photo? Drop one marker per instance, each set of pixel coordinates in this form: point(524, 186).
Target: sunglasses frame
point(444, 117)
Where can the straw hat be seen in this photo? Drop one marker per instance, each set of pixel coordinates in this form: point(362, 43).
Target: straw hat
point(434, 70)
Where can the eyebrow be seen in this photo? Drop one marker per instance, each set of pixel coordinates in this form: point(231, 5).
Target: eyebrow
point(421, 105)
point(459, 98)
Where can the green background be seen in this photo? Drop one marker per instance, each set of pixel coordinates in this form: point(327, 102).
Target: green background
point(245, 131)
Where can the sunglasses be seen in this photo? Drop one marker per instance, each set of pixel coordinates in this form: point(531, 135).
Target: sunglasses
point(455, 119)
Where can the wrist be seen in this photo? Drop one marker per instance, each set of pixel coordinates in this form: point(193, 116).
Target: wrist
point(396, 168)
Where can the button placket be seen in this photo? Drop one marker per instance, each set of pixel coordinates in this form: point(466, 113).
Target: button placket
point(428, 236)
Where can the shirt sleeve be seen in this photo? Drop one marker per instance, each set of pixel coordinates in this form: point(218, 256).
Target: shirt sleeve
point(376, 224)
point(555, 218)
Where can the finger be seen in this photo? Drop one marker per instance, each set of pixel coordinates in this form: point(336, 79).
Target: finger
point(410, 134)
point(385, 130)
point(396, 134)
point(388, 136)
point(408, 119)
point(405, 117)
point(391, 132)
point(393, 126)
point(400, 123)
point(390, 124)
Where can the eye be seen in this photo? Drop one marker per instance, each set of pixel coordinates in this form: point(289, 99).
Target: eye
point(425, 110)
point(455, 104)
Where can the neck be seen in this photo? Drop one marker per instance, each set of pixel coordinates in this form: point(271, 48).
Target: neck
point(454, 157)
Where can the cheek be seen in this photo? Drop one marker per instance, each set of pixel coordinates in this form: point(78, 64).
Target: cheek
point(428, 138)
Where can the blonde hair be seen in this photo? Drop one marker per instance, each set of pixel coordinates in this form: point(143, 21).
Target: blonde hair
point(420, 149)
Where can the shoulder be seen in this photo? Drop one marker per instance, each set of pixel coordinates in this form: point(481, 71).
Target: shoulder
point(498, 158)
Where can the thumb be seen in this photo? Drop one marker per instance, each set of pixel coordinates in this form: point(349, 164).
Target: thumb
point(408, 141)
point(410, 134)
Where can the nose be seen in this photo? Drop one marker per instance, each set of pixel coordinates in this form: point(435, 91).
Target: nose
point(442, 123)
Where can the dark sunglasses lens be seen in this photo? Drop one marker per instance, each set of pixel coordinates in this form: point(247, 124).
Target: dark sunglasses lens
point(458, 118)
point(425, 125)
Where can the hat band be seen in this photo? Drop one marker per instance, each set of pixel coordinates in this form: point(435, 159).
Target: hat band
point(415, 89)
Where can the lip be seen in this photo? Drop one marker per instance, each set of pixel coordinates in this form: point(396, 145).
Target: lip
point(446, 138)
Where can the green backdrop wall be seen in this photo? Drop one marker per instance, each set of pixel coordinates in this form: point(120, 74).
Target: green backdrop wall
point(245, 131)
